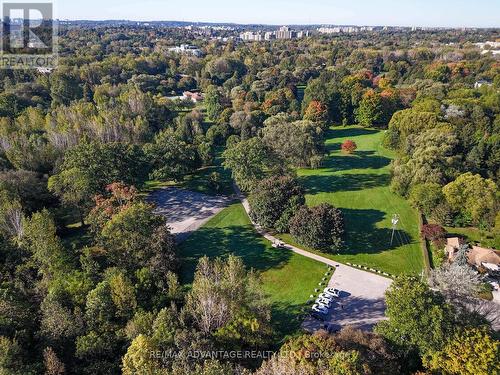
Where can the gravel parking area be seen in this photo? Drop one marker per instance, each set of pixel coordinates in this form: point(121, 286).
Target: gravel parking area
point(186, 211)
point(361, 303)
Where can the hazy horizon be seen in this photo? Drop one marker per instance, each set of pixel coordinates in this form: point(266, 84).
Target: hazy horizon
point(424, 13)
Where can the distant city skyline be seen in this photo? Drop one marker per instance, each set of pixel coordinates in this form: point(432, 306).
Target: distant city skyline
point(423, 13)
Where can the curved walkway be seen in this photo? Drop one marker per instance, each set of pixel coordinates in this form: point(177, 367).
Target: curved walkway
point(362, 302)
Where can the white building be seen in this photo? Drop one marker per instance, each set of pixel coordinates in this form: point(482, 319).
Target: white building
point(283, 32)
point(481, 83)
point(344, 29)
point(187, 50)
point(489, 47)
point(269, 35)
point(250, 36)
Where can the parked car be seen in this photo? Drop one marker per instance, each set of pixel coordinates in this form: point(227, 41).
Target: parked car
point(278, 244)
point(326, 296)
point(319, 309)
point(324, 301)
point(332, 292)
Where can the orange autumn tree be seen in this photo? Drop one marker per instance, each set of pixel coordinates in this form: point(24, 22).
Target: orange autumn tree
point(316, 112)
point(349, 146)
point(118, 198)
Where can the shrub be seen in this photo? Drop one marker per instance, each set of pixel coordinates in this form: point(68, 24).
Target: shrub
point(320, 227)
point(349, 146)
point(433, 232)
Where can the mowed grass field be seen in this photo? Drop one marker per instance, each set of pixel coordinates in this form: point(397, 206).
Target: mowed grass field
point(359, 185)
point(288, 278)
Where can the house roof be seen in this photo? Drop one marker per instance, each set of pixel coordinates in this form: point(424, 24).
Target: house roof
point(452, 245)
point(195, 95)
point(454, 242)
point(478, 255)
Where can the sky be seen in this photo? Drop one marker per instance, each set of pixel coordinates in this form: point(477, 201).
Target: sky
point(445, 13)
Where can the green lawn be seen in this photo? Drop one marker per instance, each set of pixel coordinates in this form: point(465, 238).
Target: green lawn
point(287, 278)
point(359, 185)
point(481, 237)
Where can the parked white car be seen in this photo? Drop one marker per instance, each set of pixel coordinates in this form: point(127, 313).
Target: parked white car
point(327, 296)
point(319, 309)
point(332, 292)
point(324, 301)
point(278, 244)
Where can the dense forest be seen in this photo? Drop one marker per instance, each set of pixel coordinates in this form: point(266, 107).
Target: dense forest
point(89, 278)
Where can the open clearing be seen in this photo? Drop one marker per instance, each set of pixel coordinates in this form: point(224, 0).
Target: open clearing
point(359, 185)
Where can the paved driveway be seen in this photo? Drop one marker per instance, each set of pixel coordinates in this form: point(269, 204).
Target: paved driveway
point(185, 210)
point(361, 304)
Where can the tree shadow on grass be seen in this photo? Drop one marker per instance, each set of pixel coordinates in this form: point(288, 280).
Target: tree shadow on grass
point(363, 236)
point(241, 241)
point(359, 160)
point(287, 319)
point(348, 132)
point(348, 182)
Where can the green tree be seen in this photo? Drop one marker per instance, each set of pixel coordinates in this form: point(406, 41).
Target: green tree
point(10, 105)
point(299, 143)
point(91, 166)
point(350, 352)
point(122, 294)
point(136, 237)
point(473, 195)
point(320, 227)
point(419, 318)
point(440, 73)
point(39, 237)
point(405, 123)
point(245, 124)
point(170, 157)
point(213, 102)
point(248, 161)
point(10, 357)
point(431, 158)
point(426, 197)
point(226, 301)
point(370, 111)
point(64, 88)
point(138, 360)
point(274, 201)
point(471, 351)
point(28, 187)
point(99, 309)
